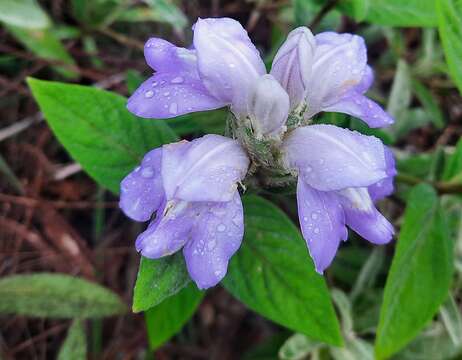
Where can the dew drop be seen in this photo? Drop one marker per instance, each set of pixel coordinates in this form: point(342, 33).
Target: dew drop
point(177, 80)
point(314, 216)
point(316, 230)
point(147, 172)
point(173, 109)
point(149, 94)
point(221, 227)
point(167, 93)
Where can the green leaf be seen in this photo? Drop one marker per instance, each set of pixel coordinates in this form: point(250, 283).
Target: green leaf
point(354, 349)
point(420, 274)
point(23, 13)
point(75, 344)
point(97, 129)
point(400, 98)
point(158, 280)
point(450, 30)
point(431, 107)
point(410, 13)
point(57, 296)
point(298, 347)
point(166, 319)
point(452, 319)
point(453, 167)
point(169, 13)
point(45, 44)
point(273, 274)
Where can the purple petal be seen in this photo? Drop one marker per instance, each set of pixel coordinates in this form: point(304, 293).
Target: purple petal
point(359, 106)
point(329, 158)
point(366, 81)
point(169, 232)
point(384, 187)
point(141, 191)
point(216, 237)
point(166, 95)
point(362, 216)
point(322, 222)
point(205, 169)
point(339, 66)
point(165, 57)
point(228, 62)
point(268, 107)
point(292, 64)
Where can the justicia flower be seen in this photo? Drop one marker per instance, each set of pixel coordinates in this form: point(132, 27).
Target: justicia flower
point(340, 175)
point(328, 72)
point(192, 189)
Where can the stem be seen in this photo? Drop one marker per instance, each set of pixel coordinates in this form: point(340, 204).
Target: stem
point(323, 12)
point(443, 187)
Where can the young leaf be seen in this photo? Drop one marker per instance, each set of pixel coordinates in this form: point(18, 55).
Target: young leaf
point(23, 13)
point(166, 319)
point(410, 13)
point(158, 280)
point(57, 296)
point(453, 167)
point(420, 274)
point(298, 347)
point(45, 44)
point(75, 344)
point(273, 274)
point(97, 129)
point(450, 30)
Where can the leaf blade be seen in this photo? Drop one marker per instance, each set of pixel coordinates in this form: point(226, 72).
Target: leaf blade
point(421, 269)
point(273, 274)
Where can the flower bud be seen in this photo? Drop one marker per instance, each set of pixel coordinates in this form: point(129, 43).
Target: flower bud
point(268, 107)
point(293, 62)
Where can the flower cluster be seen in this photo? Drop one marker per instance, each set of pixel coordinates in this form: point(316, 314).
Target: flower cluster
point(192, 187)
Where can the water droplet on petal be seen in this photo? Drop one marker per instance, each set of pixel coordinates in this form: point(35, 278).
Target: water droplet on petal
point(149, 94)
point(177, 80)
point(173, 109)
point(221, 227)
point(314, 216)
point(147, 172)
point(316, 230)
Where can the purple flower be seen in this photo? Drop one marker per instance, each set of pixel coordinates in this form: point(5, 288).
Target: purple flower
point(192, 188)
point(328, 72)
point(268, 108)
point(219, 70)
point(340, 175)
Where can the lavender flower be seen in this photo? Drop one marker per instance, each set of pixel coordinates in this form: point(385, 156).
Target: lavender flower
point(340, 174)
point(192, 188)
point(328, 72)
point(219, 70)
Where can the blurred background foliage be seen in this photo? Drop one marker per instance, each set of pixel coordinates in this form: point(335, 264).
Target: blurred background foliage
point(54, 218)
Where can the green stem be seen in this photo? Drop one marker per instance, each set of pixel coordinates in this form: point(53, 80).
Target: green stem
point(443, 187)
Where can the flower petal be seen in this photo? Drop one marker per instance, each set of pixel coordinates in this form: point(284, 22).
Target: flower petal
point(228, 62)
point(322, 222)
point(141, 191)
point(384, 187)
point(169, 232)
point(339, 66)
point(329, 158)
point(292, 63)
point(362, 216)
point(268, 107)
point(163, 56)
point(205, 169)
point(216, 237)
point(166, 95)
point(359, 106)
